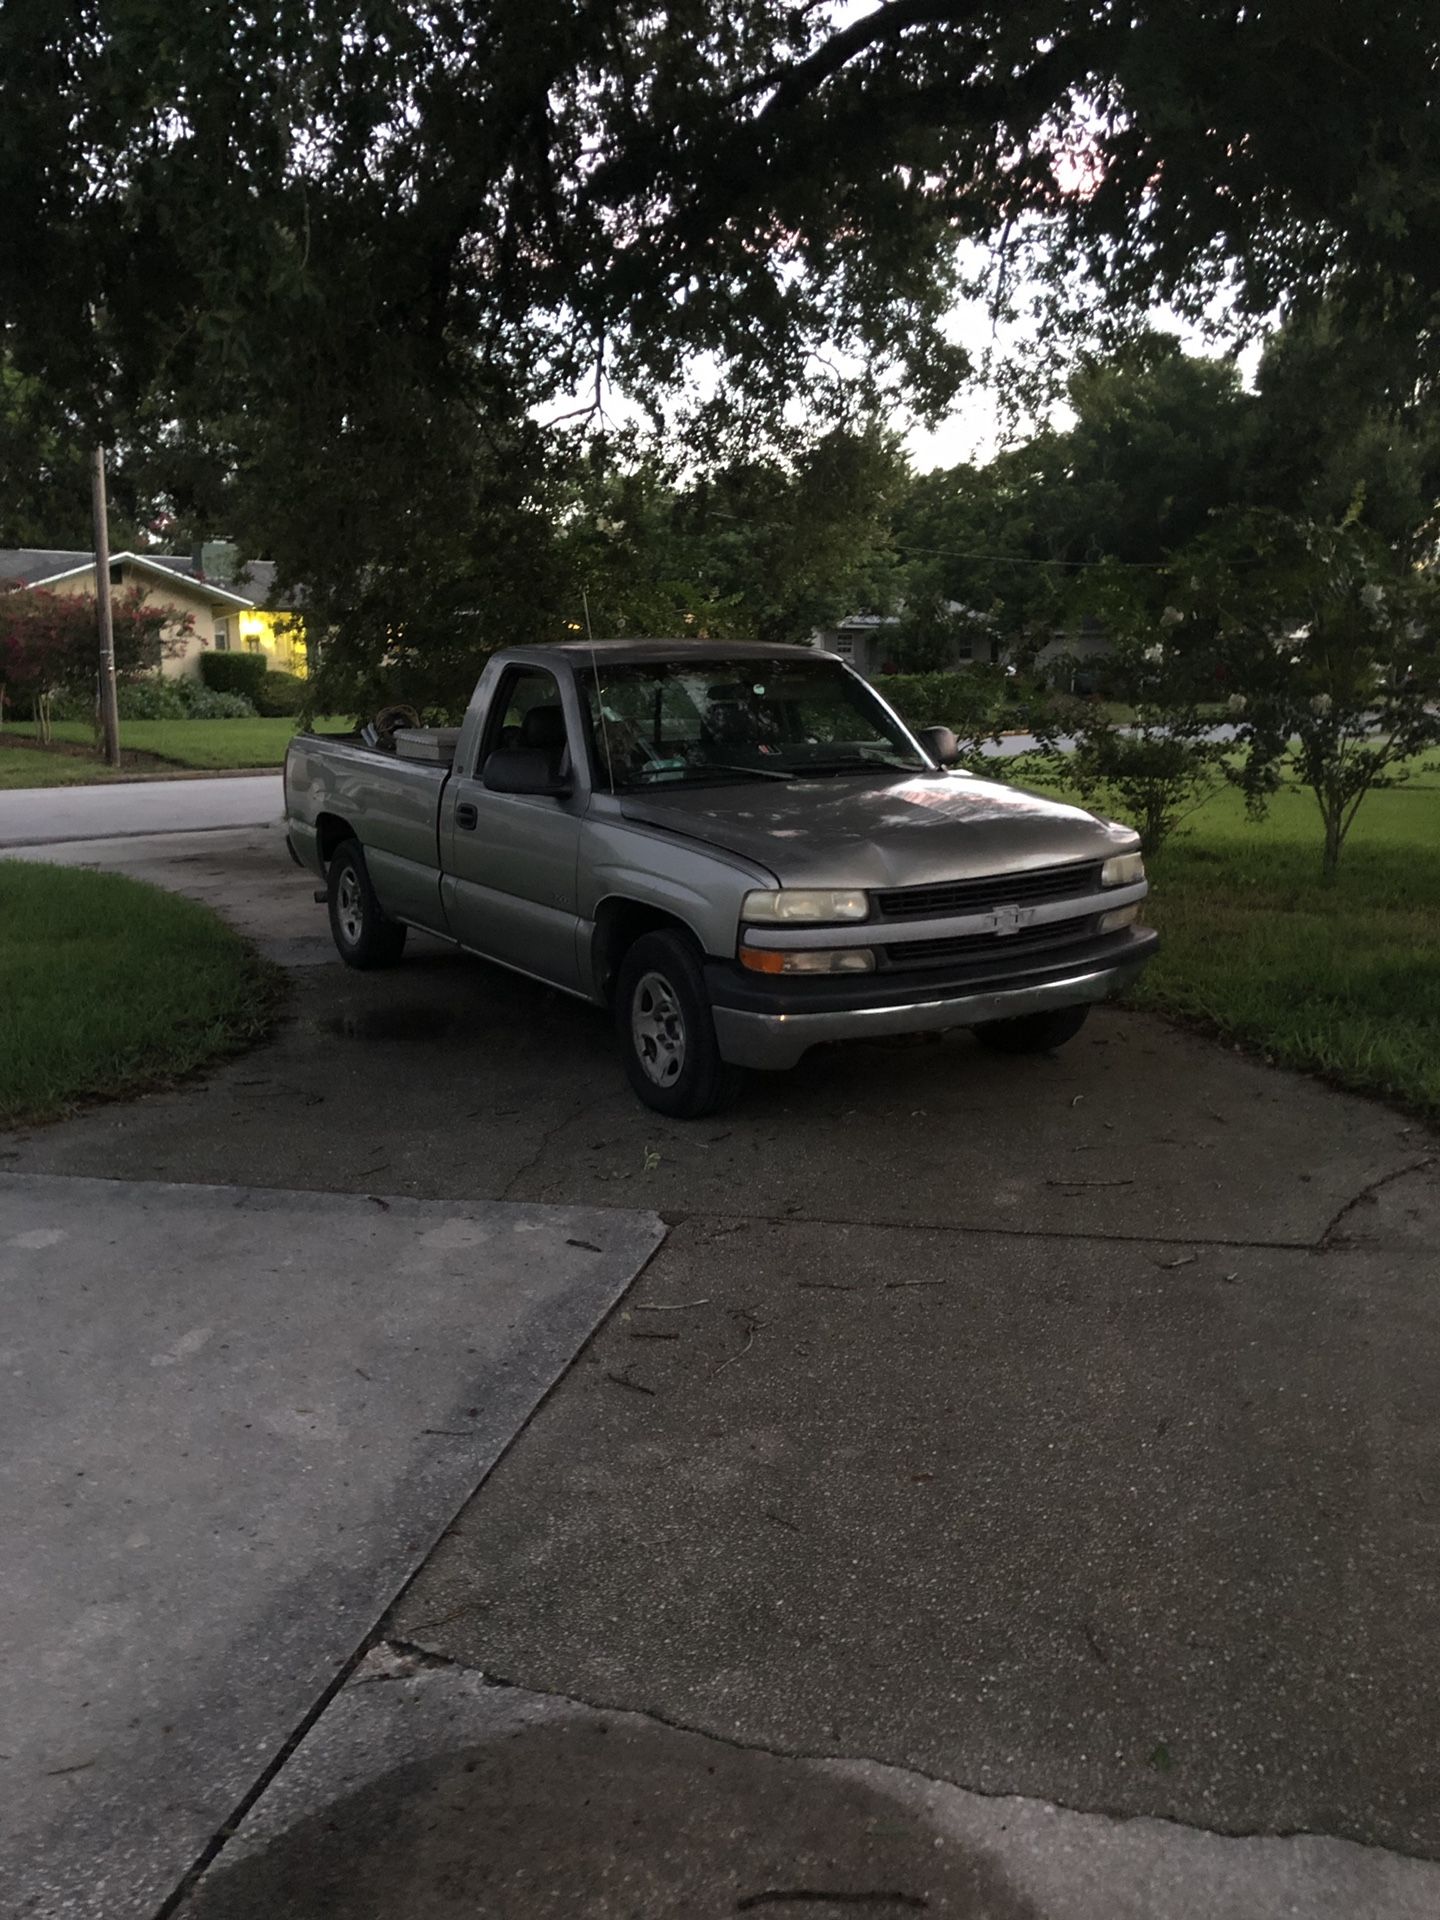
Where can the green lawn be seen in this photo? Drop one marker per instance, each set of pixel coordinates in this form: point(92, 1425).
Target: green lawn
point(26, 767)
point(1344, 979)
point(112, 987)
point(182, 743)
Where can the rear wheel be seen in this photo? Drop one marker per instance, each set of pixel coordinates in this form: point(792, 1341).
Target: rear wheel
point(665, 1029)
point(365, 936)
point(1033, 1032)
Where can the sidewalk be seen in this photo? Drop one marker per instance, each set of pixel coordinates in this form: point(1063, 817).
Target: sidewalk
point(234, 1423)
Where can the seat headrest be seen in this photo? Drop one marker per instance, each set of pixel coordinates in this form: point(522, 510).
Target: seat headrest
point(543, 727)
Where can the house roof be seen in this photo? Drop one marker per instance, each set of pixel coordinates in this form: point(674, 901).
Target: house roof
point(23, 566)
point(255, 579)
point(43, 566)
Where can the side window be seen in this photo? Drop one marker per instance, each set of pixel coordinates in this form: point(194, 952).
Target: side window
point(222, 636)
point(527, 712)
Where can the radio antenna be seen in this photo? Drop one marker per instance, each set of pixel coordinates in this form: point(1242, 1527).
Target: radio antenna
point(599, 688)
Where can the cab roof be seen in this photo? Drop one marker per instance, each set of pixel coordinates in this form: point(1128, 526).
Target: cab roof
point(637, 652)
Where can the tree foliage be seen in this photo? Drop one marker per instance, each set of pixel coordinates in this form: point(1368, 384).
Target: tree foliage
point(361, 252)
point(1331, 648)
point(49, 643)
point(1162, 761)
point(1346, 419)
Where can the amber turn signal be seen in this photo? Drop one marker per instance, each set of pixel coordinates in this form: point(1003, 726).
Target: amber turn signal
point(825, 960)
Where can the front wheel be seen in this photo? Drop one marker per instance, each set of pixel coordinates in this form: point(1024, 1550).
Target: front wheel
point(665, 1029)
point(1033, 1032)
point(365, 936)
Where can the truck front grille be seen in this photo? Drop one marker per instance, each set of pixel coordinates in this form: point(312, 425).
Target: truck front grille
point(948, 897)
point(998, 948)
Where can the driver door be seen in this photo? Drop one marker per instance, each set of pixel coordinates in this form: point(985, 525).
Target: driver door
point(509, 860)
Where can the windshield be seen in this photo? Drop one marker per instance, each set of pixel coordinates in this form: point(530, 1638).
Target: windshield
point(676, 722)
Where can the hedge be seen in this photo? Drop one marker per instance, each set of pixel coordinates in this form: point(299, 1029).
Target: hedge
point(969, 702)
point(239, 673)
point(280, 695)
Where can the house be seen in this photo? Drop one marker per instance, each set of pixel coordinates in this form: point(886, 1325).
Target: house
point(233, 606)
point(864, 640)
point(859, 639)
point(1072, 656)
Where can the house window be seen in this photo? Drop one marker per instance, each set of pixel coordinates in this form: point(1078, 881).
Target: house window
point(844, 645)
point(222, 636)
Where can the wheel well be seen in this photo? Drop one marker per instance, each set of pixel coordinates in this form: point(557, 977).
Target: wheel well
point(330, 832)
point(618, 925)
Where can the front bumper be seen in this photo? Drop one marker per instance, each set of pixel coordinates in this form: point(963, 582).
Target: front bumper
point(772, 1024)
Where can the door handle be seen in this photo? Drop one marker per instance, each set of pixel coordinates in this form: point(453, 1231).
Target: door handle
point(467, 815)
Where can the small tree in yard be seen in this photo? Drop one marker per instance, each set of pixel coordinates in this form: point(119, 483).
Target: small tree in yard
point(1152, 774)
point(1328, 644)
point(1161, 766)
point(49, 645)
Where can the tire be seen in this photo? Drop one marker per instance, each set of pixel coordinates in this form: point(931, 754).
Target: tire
point(364, 934)
point(666, 1032)
point(1033, 1032)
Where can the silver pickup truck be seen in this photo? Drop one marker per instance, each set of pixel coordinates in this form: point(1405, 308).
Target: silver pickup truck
point(740, 851)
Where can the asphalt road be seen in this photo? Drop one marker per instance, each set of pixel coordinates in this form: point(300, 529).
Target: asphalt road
point(40, 816)
point(1008, 1491)
point(47, 816)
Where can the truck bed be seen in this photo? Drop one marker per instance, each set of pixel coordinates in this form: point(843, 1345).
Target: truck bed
point(335, 782)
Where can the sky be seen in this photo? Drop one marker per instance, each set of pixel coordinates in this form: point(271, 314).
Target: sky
point(972, 431)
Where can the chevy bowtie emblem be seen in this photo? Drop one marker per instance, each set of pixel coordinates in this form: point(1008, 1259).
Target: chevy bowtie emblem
point(1007, 919)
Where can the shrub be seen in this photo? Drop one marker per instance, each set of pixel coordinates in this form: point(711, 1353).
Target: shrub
point(76, 706)
point(205, 705)
point(970, 702)
point(148, 700)
point(233, 673)
point(1152, 774)
point(279, 695)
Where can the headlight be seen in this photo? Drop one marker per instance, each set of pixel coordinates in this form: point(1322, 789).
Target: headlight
point(824, 960)
point(1122, 870)
point(811, 905)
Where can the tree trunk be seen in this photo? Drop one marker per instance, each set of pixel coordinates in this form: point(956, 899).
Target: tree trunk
point(1334, 834)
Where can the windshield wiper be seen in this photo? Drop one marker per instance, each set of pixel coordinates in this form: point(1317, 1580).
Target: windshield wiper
point(757, 773)
point(862, 764)
point(698, 775)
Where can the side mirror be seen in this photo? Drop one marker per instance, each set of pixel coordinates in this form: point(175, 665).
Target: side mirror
point(524, 770)
point(941, 744)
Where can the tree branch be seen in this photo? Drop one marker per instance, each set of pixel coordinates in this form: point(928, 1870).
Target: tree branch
point(791, 83)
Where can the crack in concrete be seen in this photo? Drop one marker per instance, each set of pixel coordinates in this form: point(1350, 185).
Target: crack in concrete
point(374, 1638)
point(431, 1660)
point(546, 1137)
point(699, 1216)
point(1328, 1237)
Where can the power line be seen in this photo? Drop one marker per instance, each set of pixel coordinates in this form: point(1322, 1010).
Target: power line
point(1027, 560)
point(903, 547)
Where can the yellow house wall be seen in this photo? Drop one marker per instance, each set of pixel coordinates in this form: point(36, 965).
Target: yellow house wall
point(158, 594)
point(279, 636)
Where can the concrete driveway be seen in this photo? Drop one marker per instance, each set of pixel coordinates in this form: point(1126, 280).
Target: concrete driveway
point(1009, 1490)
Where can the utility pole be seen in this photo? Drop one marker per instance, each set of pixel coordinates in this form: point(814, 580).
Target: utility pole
point(109, 708)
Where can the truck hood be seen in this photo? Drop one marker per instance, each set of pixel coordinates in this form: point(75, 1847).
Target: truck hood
point(855, 831)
